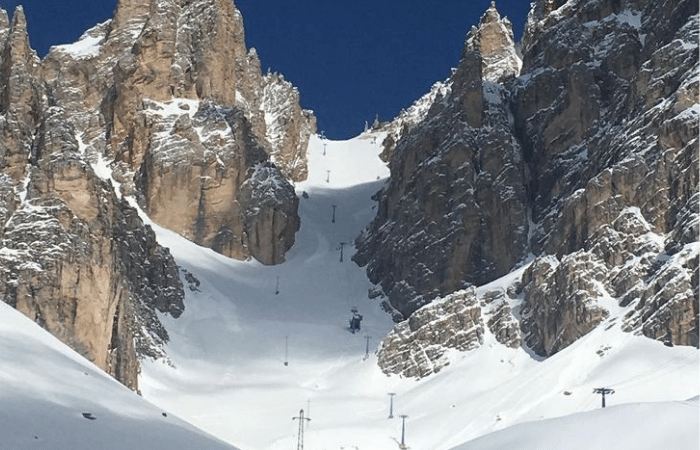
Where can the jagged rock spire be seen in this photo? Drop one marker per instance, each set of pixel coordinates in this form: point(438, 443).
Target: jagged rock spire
point(21, 95)
point(493, 38)
point(19, 62)
point(4, 21)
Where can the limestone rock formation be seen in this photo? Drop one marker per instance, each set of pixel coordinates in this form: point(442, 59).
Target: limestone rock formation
point(416, 347)
point(288, 127)
point(81, 263)
point(501, 322)
point(561, 301)
point(271, 220)
point(454, 212)
point(420, 345)
point(590, 165)
point(410, 117)
point(203, 156)
point(21, 95)
point(614, 163)
point(175, 78)
point(163, 104)
point(493, 39)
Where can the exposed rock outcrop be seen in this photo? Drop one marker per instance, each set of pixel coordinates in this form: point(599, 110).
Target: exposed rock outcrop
point(81, 263)
point(164, 103)
point(204, 156)
point(416, 347)
point(501, 318)
point(561, 301)
point(597, 139)
point(21, 95)
point(614, 164)
point(175, 78)
point(410, 117)
point(420, 345)
point(454, 212)
point(288, 127)
point(493, 39)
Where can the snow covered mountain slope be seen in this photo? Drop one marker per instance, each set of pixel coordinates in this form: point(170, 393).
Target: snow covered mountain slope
point(606, 428)
point(256, 344)
point(51, 398)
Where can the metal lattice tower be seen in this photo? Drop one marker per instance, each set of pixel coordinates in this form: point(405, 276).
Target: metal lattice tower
point(300, 437)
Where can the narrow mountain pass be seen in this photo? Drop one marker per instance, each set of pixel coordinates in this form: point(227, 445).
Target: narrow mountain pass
point(259, 343)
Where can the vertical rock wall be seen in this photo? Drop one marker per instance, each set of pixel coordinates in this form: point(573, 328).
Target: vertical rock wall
point(594, 139)
point(614, 165)
point(81, 263)
point(454, 212)
point(163, 103)
point(186, 166)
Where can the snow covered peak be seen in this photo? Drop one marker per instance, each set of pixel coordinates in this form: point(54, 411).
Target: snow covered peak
point(491, 14)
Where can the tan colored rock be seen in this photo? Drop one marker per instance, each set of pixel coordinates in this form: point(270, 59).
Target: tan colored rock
point(454, 212)
point(238, 119)
point(75, 257)
point(561, 301)
point(288, 126)
point(169, 52)
point(68, 260)
point(21, 95)
point(197, 179)
point(415, 348)
point(493, 37)
point(502, 322)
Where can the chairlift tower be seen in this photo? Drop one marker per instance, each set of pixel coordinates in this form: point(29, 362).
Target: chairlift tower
point(391, 404)
point(342, 246)
point(403, 446)
point(300, 437)
point(603, 391)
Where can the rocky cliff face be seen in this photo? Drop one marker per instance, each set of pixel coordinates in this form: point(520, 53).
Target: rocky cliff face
point(584, 157)
point(182, 115)
point(455, 210)
point(163, 104)
point(80, 262)
point(614, 164)
point(420, 346)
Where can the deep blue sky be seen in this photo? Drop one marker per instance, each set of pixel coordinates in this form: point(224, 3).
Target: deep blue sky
point(350, 59)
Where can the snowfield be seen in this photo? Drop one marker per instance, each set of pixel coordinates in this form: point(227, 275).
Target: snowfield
point(257, 344)
point(53, 399)
point(632, 426)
